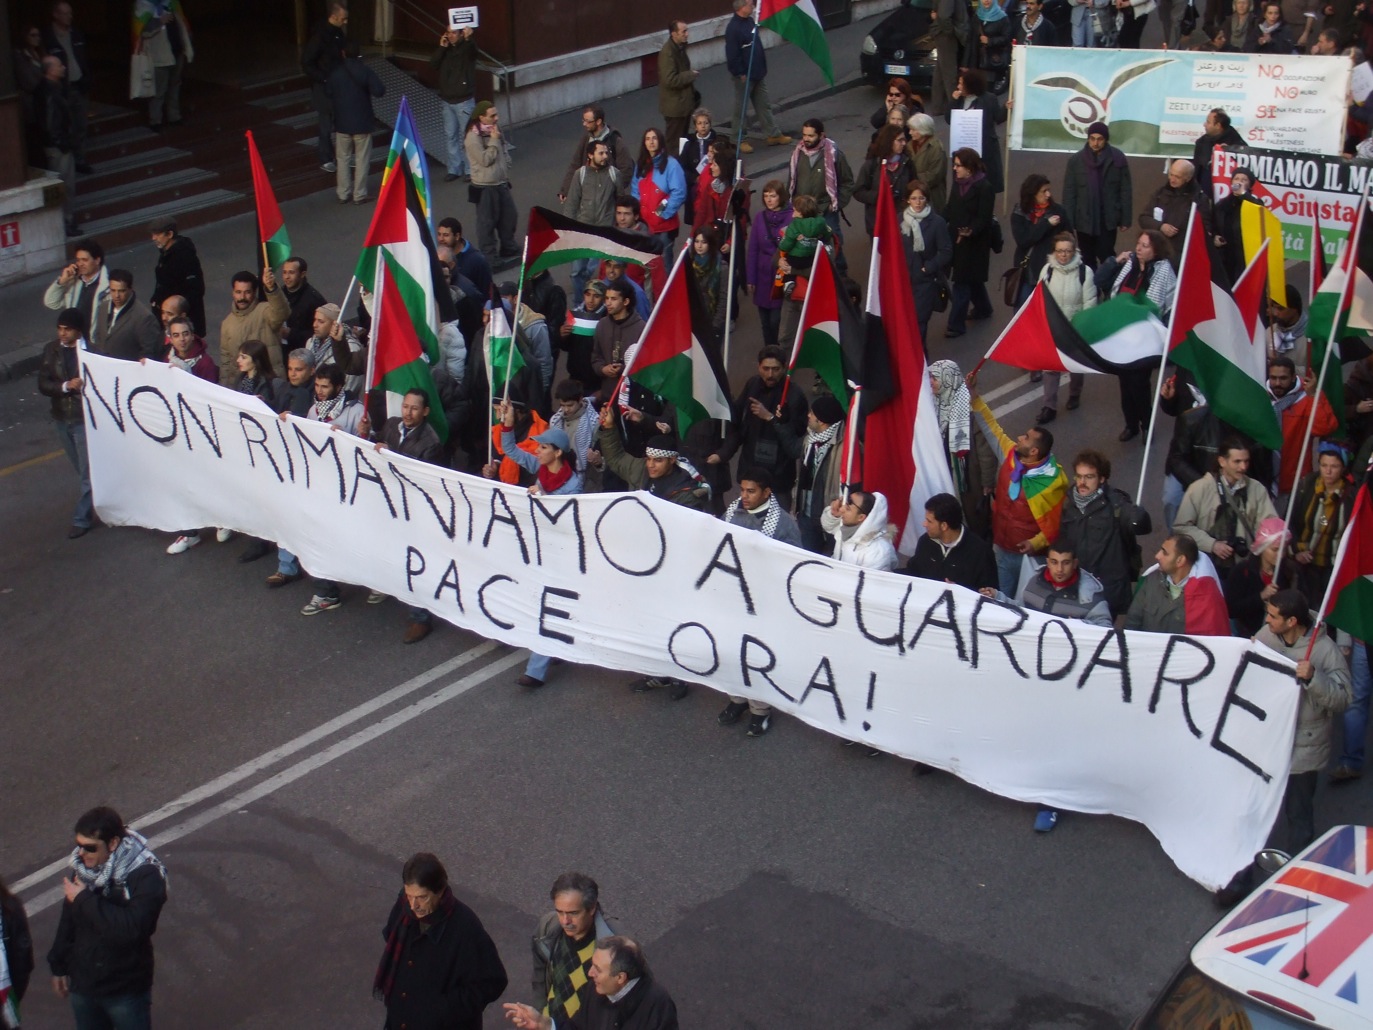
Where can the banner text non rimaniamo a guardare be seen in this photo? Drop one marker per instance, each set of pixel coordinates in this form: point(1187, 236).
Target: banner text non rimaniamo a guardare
point(1191, 737)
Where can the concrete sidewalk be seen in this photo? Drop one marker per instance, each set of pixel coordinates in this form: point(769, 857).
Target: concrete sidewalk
point(329, 236)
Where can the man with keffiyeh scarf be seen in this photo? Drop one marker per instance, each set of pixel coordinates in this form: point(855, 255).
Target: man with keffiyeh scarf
point(821, 454)
point(440, 969)
point(102, 956)
point(819, 169)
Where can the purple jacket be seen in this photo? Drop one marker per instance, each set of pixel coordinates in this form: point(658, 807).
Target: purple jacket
point(768, 227)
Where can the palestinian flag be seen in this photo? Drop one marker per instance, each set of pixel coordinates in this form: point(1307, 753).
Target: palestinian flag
point(397, 359)
point(1258, 226)
point(1351, 586)
point(1343, 306)
point(271, 227)
point(797, 22)
point(1204, 612)
point(1040, 336)
point(408, 152)
point(1213, 335)
point(677, 357)
point(828, 338)
point(904, 456)
point(555, 239)
point(503, 357)
point(582, 327)
point(400, 229)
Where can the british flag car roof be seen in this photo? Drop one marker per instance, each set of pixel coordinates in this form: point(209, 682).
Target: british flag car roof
point(1303, 942)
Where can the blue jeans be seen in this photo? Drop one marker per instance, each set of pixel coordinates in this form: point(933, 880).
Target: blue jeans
point(454, 125)
point(537, 666)
point(1008, 565)
point(116, 1012)
point(1356, 715)
point(73, 437)
point(1172, 499)
point(583, 271)
point(287, 564)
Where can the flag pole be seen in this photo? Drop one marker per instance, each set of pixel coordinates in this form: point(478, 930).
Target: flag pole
point(800, 329)
point(1193, 223)
point(1340, 555)
point(376, 326)
point(652, 317)
point(1351, 259)
point(347, 296)
point(747, 91)
point(729, 287)
point(851, 438)
point(515, 320)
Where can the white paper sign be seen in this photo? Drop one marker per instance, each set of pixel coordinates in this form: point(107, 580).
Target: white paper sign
point(1361, 81)
point(965, 130)
point(462, 18)
point(1190, 736)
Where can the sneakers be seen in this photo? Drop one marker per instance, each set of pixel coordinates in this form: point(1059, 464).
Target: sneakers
point(787, 289)
point(223, 536)
point(375, 597)
point(648, 683)
point(758, 725)
point(732, 713)
point(1046, 819)
point(328, 166)
point(182, 544)
point(780, 140)
point(320, 604)
point(676, 690)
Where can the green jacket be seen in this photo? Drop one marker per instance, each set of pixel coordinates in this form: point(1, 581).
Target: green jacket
point(676, 89)
point(677, 486)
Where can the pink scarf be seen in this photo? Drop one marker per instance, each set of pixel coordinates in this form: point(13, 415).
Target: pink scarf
point(827, 151)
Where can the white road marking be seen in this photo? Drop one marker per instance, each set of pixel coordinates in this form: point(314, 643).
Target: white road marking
point(1001, 411)
point(288, 775)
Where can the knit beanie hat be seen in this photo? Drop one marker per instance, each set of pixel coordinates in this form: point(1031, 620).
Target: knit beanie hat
point(1099, 129)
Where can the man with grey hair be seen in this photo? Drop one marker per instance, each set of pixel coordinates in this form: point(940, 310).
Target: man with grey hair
point(335, 343)
point(625, 991)
point(296, 392)
point(748, 67)
point(564, 944)
point(1171, 205)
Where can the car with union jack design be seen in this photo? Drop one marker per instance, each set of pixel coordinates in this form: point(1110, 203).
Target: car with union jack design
point(1297, 952)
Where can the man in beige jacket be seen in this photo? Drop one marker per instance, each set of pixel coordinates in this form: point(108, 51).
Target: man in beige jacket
point(252, 319)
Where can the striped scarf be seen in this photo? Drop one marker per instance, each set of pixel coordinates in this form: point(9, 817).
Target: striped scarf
point(827, 152)
point(1033, 481)
point(1323, 522)
point(406, 926)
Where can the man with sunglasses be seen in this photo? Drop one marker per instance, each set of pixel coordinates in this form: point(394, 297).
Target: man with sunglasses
point(102, 958)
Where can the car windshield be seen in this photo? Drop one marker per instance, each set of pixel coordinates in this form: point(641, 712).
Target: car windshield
point(1196, 1002)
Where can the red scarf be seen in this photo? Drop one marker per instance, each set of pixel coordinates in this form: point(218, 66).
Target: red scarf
point(1065, 584)
point(550, 481)
point(1038, 212)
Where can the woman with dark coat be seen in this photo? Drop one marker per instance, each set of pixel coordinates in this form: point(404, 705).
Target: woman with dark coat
point(255, 375)
point(993, 27)
point(440, 968)
point(888, 148)
point(899, 94)
point(1147, 270)
point(1035, 221)
point(969, 216)
point(972, 95)
point(1226, 219)
point(929, 251)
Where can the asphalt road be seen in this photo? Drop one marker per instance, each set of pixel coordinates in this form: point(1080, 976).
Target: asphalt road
point(286, 767)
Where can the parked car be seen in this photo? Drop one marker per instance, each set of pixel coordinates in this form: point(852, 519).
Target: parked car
point(1294, 953)
point(900, 46)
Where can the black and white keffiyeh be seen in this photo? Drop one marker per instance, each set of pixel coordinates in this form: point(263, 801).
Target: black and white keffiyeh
point(133, 853)
point(818, 445)
point(771, 514)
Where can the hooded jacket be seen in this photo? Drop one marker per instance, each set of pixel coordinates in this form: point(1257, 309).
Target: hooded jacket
point(1326, 696)
point(870, 545)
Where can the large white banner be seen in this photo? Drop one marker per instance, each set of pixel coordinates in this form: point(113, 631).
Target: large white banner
point(1156, 101)
point(1191, 737)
